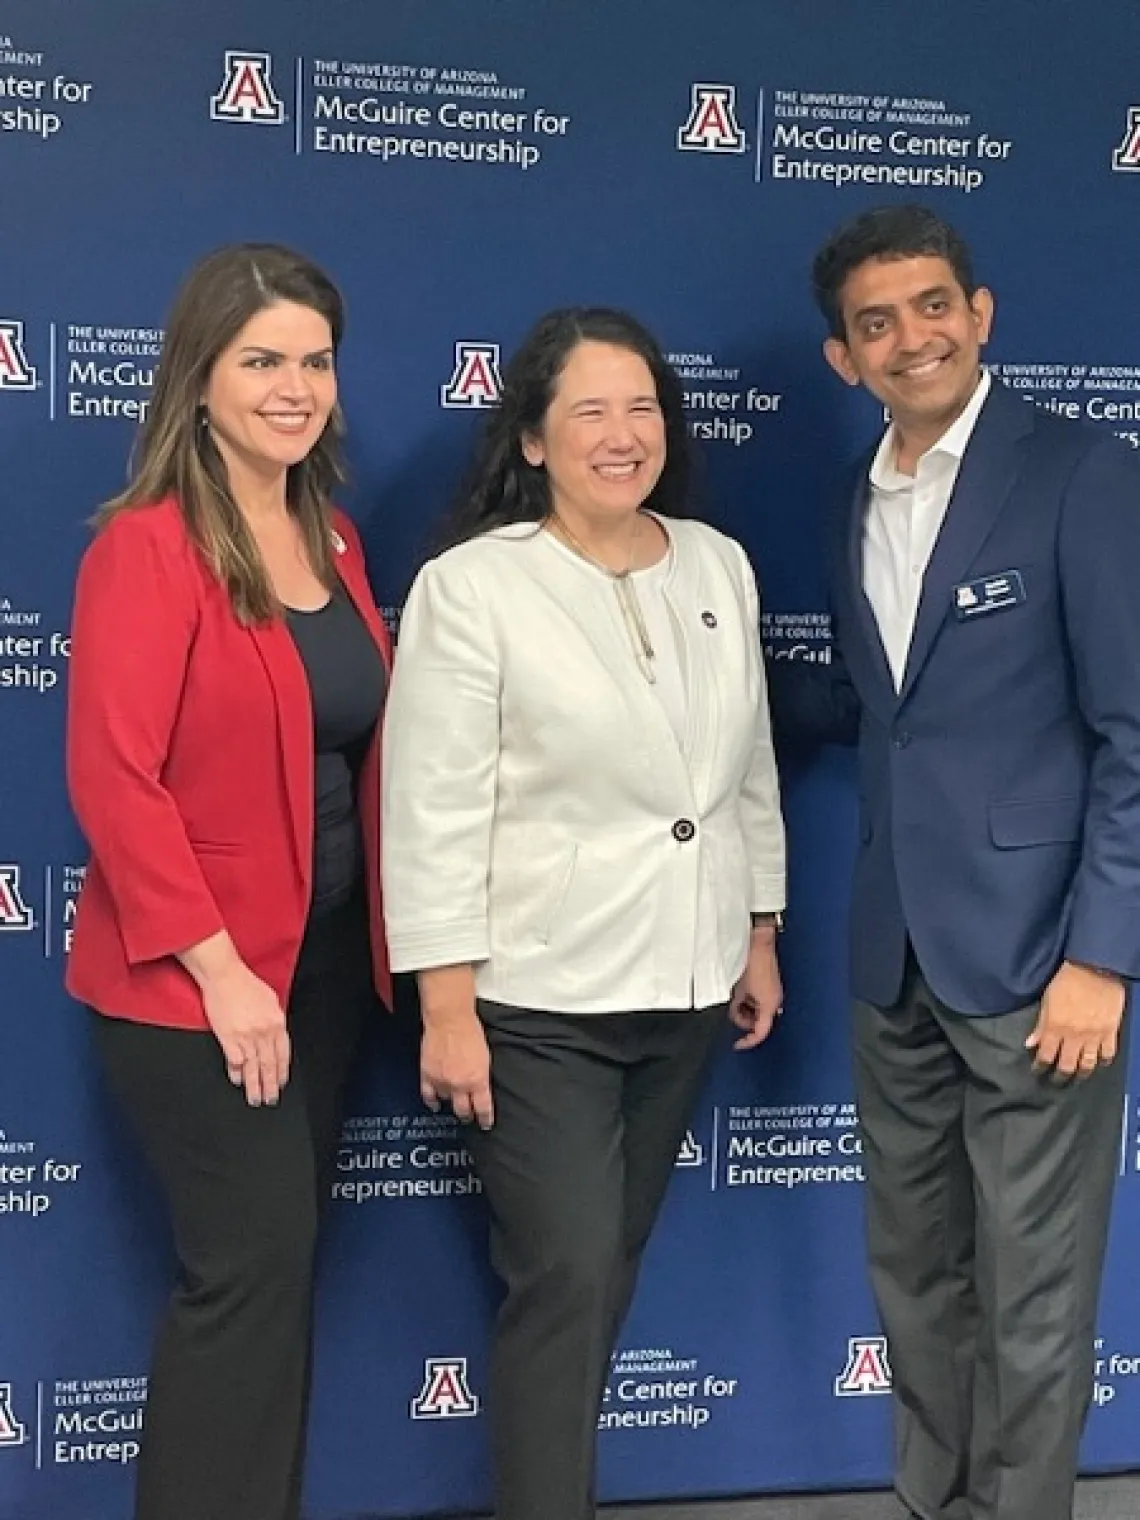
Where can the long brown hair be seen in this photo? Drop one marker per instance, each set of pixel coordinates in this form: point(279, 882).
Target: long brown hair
point(174, 455)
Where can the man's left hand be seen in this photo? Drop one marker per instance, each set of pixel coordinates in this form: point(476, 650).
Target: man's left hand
point(1079, 1023)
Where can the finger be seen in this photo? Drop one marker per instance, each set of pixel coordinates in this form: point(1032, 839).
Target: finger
point(750, 1041)
point(1034, 1039)
point(1069, 1056)
point(251, 1076)
point(282, 1056)
point(461, 1103)
point(1088, 1059)
point(267, 1065)
point(484, 1106)
point(1047, 1051)
point(1108, 1047)
point(761, 1029)
point(234, 1057)
point(429, 1093)
point(740, 1012)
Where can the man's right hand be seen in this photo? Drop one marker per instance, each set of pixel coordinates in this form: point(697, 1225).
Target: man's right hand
point(455, 1059)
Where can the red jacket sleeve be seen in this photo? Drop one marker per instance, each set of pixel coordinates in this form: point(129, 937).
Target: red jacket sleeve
point(132, 631)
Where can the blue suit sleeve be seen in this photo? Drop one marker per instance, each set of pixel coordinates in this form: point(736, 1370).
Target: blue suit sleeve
point(1099, 550)
point(812, 703)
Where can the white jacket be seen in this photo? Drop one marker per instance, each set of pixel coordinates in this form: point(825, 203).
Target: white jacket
point(541, 819)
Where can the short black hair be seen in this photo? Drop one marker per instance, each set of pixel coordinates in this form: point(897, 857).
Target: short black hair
point(501, 485)
point(887, 232)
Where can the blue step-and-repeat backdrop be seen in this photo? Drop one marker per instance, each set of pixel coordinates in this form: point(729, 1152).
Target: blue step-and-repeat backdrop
point(460, 166)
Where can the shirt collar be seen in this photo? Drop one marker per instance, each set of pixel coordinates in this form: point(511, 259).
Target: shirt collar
point(952, 445)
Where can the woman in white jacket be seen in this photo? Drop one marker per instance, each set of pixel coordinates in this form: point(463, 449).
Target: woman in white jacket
point(583, 853)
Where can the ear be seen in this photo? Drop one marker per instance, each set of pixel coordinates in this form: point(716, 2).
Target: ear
point(532, 450)
point(838, 355)
point(982, 306)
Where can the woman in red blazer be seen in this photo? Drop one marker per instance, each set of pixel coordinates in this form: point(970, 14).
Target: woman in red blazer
point(228, 674)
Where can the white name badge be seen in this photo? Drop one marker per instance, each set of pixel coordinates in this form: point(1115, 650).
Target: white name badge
point(990, 593)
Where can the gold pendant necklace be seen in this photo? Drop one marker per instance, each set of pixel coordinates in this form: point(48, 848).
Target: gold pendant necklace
point(627, 596)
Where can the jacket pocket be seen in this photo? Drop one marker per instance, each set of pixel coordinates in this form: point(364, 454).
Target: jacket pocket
point(1045, 820)
point(558, 898)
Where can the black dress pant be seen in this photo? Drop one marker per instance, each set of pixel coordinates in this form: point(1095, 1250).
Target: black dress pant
point(228, 1389)
point(590, 1111)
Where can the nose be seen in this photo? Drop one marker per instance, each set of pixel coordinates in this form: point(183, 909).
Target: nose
point(915, 330)
point(620, 436)
point(293, 382)
point(911, 331)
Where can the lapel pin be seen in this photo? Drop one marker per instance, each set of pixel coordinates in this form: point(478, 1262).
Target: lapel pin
point(338, 543)
point(708, 619)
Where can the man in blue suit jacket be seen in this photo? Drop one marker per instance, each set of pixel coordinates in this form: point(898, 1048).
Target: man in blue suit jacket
point(986, 596)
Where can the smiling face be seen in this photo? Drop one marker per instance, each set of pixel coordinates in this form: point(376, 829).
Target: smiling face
point(913, 338)
point(272, 390)
point(602, 439)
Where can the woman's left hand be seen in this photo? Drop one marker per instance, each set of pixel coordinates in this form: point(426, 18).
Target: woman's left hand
point(758, 997)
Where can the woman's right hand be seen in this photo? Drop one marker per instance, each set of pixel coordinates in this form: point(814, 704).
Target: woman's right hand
point(249, 1023)
point(455, 1059)
point(246, 1016)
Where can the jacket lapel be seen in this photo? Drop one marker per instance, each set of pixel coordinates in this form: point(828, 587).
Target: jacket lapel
point(865, 621)
point(290, 688)
point(988, 472)
point(855, 630)
point(286, 672)
point(351, 571)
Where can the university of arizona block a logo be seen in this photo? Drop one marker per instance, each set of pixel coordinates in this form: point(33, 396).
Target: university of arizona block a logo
point(16, 374)
point(475, 379)
point(12, 1431)
point(712, 126)
point(445, 1394)
point(868, 1369)
point(247, 92)
point(1127, 156)
point(14, 911)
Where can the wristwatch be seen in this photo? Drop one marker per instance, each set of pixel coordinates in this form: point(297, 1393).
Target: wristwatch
point(768, 921)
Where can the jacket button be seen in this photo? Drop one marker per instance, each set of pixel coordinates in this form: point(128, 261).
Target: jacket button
point(683, 830)
point(900, 741)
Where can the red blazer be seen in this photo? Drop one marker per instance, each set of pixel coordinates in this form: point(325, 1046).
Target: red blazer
point(190, 769)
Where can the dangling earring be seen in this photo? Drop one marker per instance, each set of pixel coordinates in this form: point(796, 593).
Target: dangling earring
point(201, 417)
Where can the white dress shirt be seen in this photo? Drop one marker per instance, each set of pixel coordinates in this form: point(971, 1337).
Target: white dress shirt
point(904, 518)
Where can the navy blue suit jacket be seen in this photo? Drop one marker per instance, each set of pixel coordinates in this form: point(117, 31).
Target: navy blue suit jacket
point(999, 790)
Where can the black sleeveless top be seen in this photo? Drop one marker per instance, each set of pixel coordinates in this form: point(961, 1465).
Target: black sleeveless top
point(346, 681)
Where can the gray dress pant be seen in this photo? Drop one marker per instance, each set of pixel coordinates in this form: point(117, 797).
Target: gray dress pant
point(988, 1199)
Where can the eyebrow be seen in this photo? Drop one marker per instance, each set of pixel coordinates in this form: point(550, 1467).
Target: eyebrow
point(889, 306)
point(601, 400)
point(274, 353)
